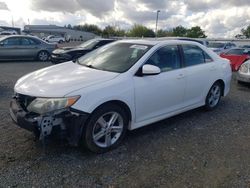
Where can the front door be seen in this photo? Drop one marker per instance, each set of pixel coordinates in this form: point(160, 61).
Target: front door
point(157, 95)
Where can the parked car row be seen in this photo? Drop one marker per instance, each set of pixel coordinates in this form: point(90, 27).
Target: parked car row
point(54, 39)
point(23, 47)
point(72, 53)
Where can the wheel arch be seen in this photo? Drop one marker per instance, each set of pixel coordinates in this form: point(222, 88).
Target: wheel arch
point(118, 103)
point(222, 83)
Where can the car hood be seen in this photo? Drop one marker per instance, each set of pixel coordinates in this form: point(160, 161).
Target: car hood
point(60, 80)
point(68, 49)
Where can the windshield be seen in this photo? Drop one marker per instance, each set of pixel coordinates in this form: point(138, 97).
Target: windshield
point(115, 57)
point(215, 45)
point(89, 44)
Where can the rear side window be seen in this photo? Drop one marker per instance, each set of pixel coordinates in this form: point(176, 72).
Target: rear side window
point(11, 41)
point(193, 55)
point(25, 41)
point(166, 58)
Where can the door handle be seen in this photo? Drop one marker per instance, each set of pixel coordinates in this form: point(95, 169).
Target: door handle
point(180, 76)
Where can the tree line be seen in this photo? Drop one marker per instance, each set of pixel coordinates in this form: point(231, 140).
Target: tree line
point(138, 30)
point(245, 32)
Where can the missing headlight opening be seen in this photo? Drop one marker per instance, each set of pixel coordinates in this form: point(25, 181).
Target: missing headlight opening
point(63, 123)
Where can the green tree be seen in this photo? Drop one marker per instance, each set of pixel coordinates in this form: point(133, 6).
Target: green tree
point(246, 32)
point(69, 26)
point(140, 31)
point(179, 31)
point(196, 32)
point(164, 33)
point(89, 28)
point(109, 31)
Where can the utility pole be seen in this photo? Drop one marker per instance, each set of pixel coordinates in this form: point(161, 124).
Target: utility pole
point(156, 23)
point(12, 21)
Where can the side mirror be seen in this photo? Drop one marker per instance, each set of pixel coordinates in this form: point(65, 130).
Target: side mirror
point(150, 70)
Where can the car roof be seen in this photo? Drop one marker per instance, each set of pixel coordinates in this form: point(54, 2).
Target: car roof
point(11, 36)
point(154, 42)
point(104, 39)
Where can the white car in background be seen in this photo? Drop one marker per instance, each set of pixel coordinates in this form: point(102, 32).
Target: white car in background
point(8, 32)
point(121, 86)
point(55, 39)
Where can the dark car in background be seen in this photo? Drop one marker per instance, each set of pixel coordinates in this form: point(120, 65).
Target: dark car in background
point(219, 47)
point(72, 53)
point(22, 47)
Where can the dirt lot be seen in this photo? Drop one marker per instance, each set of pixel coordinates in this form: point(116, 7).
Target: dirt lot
point(194, 149)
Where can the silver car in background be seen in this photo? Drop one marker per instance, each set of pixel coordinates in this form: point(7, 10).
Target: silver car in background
point(23, 47)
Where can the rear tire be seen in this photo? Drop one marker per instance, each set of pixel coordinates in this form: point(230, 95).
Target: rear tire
point(43, 55)
point(105, 129)
point(213, 96)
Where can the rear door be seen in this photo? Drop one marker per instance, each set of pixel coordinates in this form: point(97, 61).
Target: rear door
point(28, 48)
point(200, 69)
point(9, 48)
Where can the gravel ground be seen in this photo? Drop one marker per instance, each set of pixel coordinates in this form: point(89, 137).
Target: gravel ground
point(194, 149)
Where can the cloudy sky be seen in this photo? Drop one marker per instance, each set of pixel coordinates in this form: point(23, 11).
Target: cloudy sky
point(217, 18)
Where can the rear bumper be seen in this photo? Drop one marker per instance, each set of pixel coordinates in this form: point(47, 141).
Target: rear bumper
point(67, 123)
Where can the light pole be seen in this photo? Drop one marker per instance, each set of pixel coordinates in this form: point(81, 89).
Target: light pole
point(157, 15)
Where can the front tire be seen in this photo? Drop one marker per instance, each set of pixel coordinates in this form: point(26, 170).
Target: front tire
point(213, 96)
point(43, 56)
point(106, 128)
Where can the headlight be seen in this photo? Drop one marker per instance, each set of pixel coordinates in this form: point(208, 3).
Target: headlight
point(245, 67)
point(44, 105)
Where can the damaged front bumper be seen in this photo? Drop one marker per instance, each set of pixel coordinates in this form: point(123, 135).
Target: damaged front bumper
point(68, 123)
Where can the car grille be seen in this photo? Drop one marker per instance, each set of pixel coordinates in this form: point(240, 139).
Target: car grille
point(23, 100)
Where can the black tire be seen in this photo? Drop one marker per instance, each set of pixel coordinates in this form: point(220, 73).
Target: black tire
point(92, 125)
point(43, 55)
point(240, 82)
point(213, 96)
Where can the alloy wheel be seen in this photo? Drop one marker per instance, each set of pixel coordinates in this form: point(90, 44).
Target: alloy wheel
point(107, 129)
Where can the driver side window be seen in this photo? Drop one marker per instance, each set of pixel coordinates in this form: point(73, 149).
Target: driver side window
point(166, 58)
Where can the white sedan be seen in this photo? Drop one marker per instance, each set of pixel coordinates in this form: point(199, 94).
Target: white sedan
point(121, 86)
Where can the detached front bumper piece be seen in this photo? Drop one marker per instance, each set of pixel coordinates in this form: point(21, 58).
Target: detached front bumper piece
point(68, 123)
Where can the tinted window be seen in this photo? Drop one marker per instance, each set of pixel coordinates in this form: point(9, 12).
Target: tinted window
point(103, 42)
point(25, 41)
point(34, 41)
point(166, 58)
point(193, 55)
point(11, 42)
point(116, 57)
